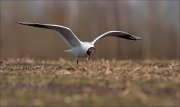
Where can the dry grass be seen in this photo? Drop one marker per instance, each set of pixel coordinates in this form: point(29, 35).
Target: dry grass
point(99, 83)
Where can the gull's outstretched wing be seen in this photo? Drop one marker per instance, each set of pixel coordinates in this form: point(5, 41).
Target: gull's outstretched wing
point(119, 34)
point(64, 32)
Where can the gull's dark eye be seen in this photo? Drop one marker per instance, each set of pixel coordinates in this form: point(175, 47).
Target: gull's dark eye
point(91, 51)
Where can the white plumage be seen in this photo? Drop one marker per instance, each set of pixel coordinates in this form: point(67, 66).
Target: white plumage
point(79, 48)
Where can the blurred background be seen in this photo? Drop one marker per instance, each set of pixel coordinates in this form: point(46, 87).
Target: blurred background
point(157, 22)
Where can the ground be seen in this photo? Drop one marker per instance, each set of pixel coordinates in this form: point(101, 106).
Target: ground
point(130, 83)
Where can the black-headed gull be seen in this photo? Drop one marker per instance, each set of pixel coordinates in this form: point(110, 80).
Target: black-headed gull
point(79, 48)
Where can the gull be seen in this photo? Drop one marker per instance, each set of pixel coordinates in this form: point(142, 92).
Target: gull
point(81, 48)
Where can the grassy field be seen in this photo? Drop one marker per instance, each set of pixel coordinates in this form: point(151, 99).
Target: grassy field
point(132, 83)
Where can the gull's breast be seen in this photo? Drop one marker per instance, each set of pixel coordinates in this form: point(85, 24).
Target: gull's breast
point(78, 51)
